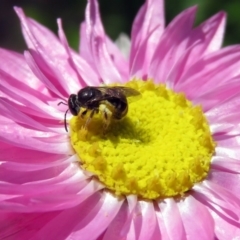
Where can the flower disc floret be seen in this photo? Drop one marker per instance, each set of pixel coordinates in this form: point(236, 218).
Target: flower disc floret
point(160, 149)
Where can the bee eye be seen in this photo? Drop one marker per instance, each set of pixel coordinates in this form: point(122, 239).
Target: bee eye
point(73, 105)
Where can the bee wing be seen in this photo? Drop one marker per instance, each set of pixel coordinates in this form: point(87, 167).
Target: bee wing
point(119, 91)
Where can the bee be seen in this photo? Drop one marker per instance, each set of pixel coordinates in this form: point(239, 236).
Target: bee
point(111, 102)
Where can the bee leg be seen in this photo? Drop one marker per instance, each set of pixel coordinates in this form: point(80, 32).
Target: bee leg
point(82, 115)
point(106, 116)
point(89, 118)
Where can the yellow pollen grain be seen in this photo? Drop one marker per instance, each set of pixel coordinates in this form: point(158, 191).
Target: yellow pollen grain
point(160, 149)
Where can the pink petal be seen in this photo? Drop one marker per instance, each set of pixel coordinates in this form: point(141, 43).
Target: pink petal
point(114, 50)
point(213, 30)
point(117, 229)
point(52, 63)
point(145, 221)
point(203, 225)
point(86, 54)
point(33, 61)
point(227, 146)
point(218, 95)
point(227, 179)
point(122, 226)
point(83, 69)
point(163, 231)
point(172, 45)
point(45, 192)
point(61, 227)
point(223, 228)
point(129, 227)
point(131, 235)
point(96, 218)
point(39, 120)
point(172, 219)
point(15, 65)
point(84, 49)
point(116, 55)
point(58, 224)
point(22, 160)
point(210, 72)
point(222, 110)
point(8, 110)
point(23, 225)
point(203, 40)
point(219, 199)
point(118, 59)
point(221, 128)
point(132, 202)
point(29, 100)
point(19, 92)
point(19, 136)
point(97, 45)
point(86, 70)
point(147, 29)
point(223, 118)
point(225, 164)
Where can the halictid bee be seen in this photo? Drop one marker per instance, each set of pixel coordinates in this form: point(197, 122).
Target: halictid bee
point(111, 102)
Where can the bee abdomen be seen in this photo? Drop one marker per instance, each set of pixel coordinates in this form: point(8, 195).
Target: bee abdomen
point(120, 107)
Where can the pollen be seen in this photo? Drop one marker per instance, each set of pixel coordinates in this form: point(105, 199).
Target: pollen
point(160, 149)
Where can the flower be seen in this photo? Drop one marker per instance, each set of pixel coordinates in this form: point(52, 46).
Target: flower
point(52, 188)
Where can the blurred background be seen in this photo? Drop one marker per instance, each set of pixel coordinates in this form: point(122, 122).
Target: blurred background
point(117, 16)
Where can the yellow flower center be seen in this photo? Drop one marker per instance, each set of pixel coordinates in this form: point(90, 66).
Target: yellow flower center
point(160, 149)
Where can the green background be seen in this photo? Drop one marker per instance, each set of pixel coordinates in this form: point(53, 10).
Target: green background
point(117, 16)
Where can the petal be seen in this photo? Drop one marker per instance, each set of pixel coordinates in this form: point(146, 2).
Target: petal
point(172, 45)
point(8, 110)
point(210, 72)
point(23, 225)
point(83, 71)
point(34, 60)
point(163, 231)
point(145, 221)
point(54, 224)
point(64, 42)
point(21, 93)
point(225, 164)
point(25, 161)
point(97, 45)
point(227, 146)
point(84, 49)
point(218, 95)
point(15, 65)
point(96, 218)
point(117, 229)
point(218, 199)
point(117, 56)
point(50, 189)
point(172, 219)
point(203, 40)
point(52, 61)
point(114, 50)
point(224, 229)
point(19, 136)
point(211, 32)
point(203, 226)
point(226, 179)
point(147, 29)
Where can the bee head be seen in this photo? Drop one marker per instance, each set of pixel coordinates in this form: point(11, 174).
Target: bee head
point(73, 104)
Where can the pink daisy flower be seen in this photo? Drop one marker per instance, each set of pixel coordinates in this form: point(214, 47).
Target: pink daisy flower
point(168, 170)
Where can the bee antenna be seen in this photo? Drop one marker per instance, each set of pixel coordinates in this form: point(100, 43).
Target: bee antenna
point(62, 103)
point(65, 120)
